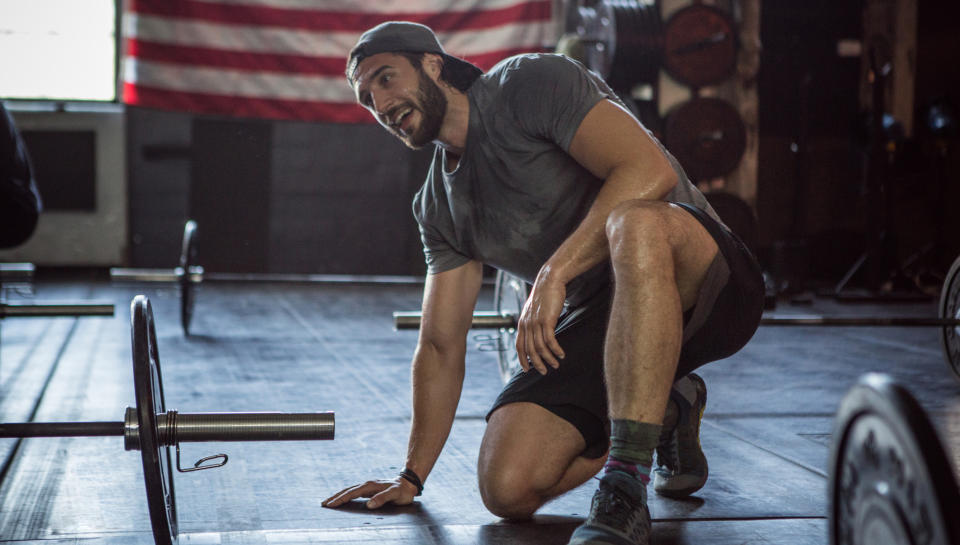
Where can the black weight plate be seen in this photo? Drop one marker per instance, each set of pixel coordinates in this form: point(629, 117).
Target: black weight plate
point(148, 386)
point(188, 260)
point(890, 482)
point(950, 308)
point(637, 55)
point(509, 294)
point(707, 136)
point(699, 46)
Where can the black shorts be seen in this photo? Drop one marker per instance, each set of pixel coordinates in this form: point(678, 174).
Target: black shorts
point(725, 317)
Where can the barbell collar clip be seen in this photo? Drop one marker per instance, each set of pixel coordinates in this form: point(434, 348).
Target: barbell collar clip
point(202, 464)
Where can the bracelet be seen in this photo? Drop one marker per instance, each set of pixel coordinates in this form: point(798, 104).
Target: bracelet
point(411, 477)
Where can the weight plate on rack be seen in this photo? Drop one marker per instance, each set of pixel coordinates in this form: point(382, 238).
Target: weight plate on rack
point(188, 260)
point(636, 58)
point(148, 387)
point(950, 308)
point(707, 136)
point(509, 294)
point(699, 46)
point(890, 479)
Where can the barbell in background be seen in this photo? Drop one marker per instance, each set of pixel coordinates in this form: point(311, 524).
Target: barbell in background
point(53, 310)
point(14, 275)
point(186, 275)
point(493, 320)
point(152, 429)
point(511, 292)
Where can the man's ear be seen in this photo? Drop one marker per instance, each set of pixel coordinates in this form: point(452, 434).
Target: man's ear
point(432, 64)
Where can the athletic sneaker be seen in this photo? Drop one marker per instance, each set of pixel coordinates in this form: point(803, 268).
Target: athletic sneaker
point(681, 466)
point(618, 513)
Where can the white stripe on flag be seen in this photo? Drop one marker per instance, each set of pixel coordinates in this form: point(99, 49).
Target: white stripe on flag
point(377, 6)
point(232, 37)
point(530, 36)
point(218, 81)
point(262, 39)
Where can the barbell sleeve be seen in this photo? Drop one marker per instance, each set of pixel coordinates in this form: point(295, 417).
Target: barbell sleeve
point(176, 427)
point(44, 310)
point(143, 275)
point(155, 275)
point(481, 320)
point(494, 320)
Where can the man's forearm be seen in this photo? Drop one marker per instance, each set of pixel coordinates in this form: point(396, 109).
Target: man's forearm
point(437, 379)
point(587, 245)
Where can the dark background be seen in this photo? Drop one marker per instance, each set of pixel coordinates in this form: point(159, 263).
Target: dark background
point(312, 198)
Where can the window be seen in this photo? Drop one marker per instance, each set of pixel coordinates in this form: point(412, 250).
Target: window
point(58, 49)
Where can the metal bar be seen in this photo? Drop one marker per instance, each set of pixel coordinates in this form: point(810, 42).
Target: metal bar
point(61, 429)
point(16, 272)
point(265, 426)
point(41, 310)
point(870, 321)
point(481, 320)
point(493, 320)
point(143, 275)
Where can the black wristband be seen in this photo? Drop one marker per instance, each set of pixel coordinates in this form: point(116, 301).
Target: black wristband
point(413, 479)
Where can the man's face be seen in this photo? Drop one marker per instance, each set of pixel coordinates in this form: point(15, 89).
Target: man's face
point(401, 97)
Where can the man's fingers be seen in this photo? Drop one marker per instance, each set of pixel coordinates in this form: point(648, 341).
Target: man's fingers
point(393, 494)
point(383, 497)
point(521, 351)
point(551, 351)
point(543, 349)
point(364, 490)
point(552, 344)
point(340, 498)
point(532, 355)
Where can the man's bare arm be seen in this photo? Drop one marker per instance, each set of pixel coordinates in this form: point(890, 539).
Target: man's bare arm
point(437, 378)
point(438, 364)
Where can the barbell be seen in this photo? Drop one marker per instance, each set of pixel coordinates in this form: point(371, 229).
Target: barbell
point(22, 273)
point(186, 275)
point(152, 429)
point(52, 310)
point(510, 293)
point(16, 273)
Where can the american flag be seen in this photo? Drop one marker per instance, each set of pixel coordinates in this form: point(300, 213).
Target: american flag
point(285, 59)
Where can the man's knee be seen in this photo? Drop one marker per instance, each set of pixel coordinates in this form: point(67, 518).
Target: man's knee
point(639, 235)
point(508, 492)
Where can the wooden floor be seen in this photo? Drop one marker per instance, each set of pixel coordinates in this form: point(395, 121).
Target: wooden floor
point(306, 347)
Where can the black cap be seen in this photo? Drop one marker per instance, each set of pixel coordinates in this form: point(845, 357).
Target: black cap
point(396, 36)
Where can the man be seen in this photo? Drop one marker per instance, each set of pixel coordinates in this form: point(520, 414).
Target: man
point(19, 200)
point(539, 170)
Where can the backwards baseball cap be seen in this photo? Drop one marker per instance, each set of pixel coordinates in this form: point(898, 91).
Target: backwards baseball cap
point(397, 36)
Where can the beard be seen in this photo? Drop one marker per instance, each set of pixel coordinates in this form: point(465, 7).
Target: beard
point(433, 108)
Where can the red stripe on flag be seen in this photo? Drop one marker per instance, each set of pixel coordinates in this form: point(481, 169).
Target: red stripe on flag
point(239, 60)
point(204, 103)
point(321, 20)
point(270, 62)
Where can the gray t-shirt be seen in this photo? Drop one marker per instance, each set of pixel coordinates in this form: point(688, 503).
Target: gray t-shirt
point(516, 194)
